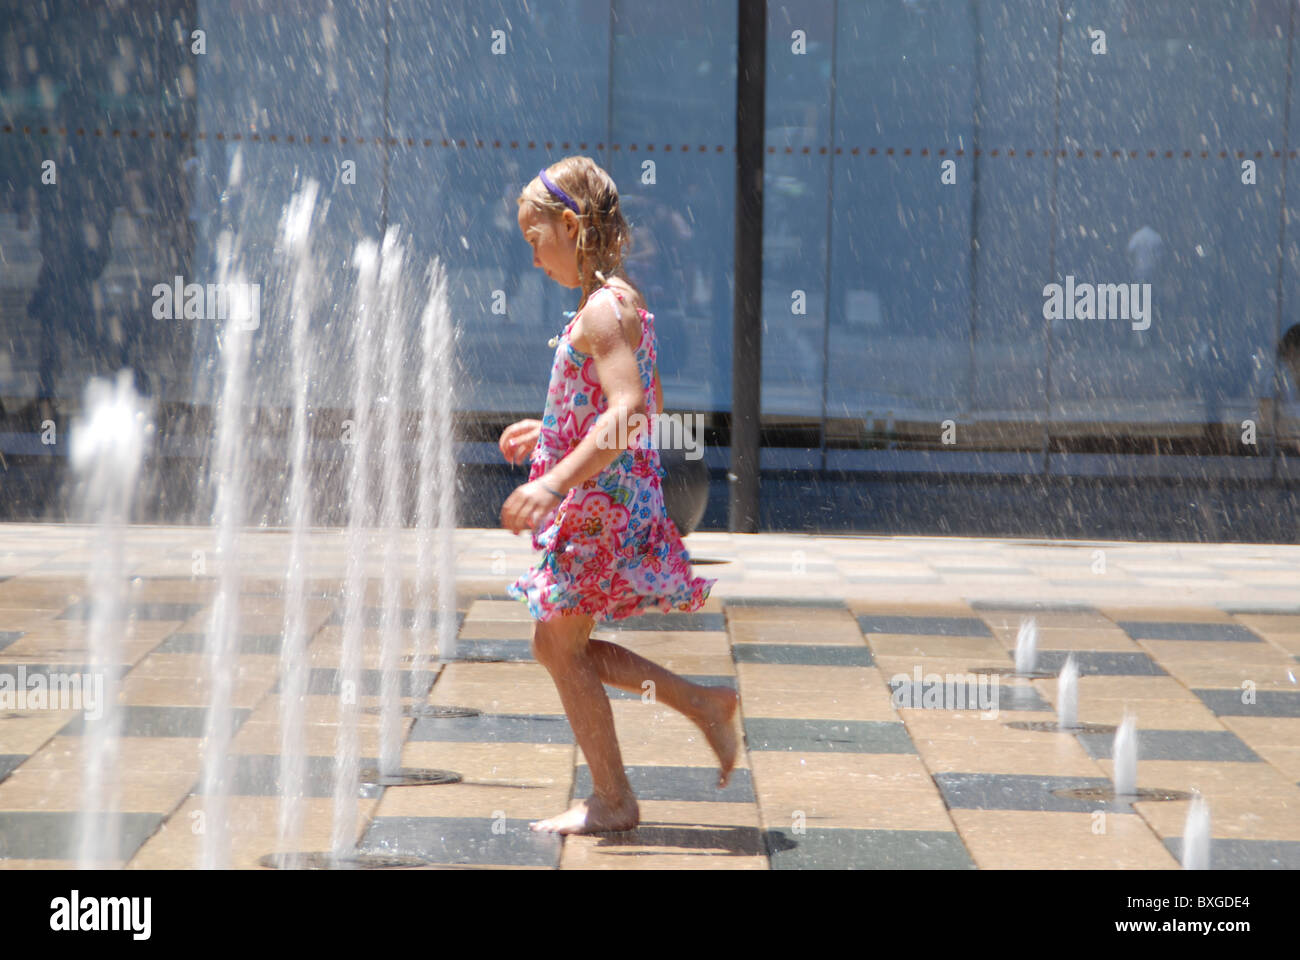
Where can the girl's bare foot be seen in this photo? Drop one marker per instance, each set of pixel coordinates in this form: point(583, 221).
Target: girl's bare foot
point(715, 720)
point(593, 815)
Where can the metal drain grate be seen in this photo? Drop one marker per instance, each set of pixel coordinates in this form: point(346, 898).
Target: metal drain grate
point(1106, 794)
point(1052, 726)
point(1011, 672)
point(408, 777)
point(429, 710)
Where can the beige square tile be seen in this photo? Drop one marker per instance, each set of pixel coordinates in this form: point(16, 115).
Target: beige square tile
point(1124, 688)
point(977, 650)
point(656, 644)
point(1056, 755)
point(1151, 714)
point(148, 754)
point(24, 732)
point(972, 729)
point(481, 802)
point(1279, 731)
point(839, 693)
point(1286, 759)
point(1231, 817)
point(862, 791)
point(60, 789)
point(1032, 840)
point(654, 735)
point(1209, 651)
point(521, 766)
point(253, 833)
point(1221, 674)
point(818, 633)
point(1212, 779)
point(497, 630)
point(498, 688)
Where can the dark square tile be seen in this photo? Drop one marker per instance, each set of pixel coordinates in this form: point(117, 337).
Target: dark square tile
point(1268, 703)
point(22, 673)
point(818, 603)
point(961, 694)
point(519, 651)
point(494, 728)
point(9, 636)
point(142, 721)
point(708, 680)
point(821, 849)
point(266, 643)
point(37, 835)
point(1236, 854)
point(1100, 663)
point(842, 736)
point(258, 775)
point(9, 762)
point(925, 626)
point(138, 611)
point(1030, 606)
point(667, 621)
point(1209, 745)
point(797, 654)
point(1216, 632)
point(1007, 791)
point(468, 840)
point(677, 783)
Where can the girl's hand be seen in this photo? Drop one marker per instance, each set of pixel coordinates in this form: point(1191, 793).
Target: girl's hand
point(525, 508)
point(518, 439)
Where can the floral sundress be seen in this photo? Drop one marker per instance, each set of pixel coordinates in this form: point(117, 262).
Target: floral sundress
point(610, 549)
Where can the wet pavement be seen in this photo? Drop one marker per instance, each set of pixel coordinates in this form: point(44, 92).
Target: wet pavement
point(846, 651)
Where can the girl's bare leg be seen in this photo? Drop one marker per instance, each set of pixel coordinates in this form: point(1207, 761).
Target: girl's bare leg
point(561, 645)
point(709, 708)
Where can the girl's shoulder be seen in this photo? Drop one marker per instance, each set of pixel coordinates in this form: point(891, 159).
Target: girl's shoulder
point(624, 294)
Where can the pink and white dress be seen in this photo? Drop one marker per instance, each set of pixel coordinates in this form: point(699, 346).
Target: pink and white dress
point(609, 547)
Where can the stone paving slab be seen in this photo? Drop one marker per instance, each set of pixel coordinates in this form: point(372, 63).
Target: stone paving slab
point(839, 768)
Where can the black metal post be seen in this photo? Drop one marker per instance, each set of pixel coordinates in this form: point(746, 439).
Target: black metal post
point(747, 318)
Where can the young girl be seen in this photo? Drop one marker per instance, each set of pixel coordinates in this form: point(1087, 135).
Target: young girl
point(593, 498)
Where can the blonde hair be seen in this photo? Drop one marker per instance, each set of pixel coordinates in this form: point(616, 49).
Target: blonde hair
point(603, 233)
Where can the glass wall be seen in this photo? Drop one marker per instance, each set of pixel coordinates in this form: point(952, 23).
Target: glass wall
point(933, 166)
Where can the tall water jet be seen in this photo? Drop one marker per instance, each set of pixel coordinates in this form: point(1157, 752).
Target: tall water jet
point(106, 450)
point(1124, 756)
point(1027, 645)
point(228, 477)
point(347, 754)
point(1067, 695)
point(295, 235)
point(436, 499)
point(1196, 835)
point(392, 257)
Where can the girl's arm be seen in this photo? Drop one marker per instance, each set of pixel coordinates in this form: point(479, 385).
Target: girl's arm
point(659, 391)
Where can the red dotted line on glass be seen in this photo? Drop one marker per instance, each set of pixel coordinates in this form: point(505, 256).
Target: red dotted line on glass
point(632, 147)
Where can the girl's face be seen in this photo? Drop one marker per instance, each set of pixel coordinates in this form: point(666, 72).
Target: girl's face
point(554, 242)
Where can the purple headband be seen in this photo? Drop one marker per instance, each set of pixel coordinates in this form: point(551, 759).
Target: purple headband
point(550, 185)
